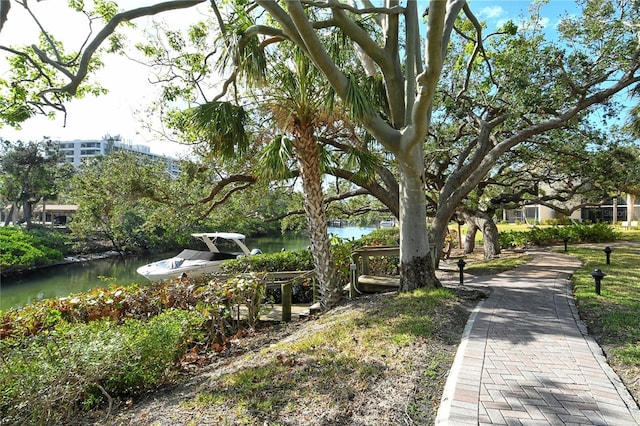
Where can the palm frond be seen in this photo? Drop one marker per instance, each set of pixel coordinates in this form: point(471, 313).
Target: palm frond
point(327, 160)
point(275, 159)
point(358, 103)
point(222, 126)
point(252, 64)
point(363, 163)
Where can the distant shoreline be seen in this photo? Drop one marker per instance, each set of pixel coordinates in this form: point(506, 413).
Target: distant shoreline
point(80, 258)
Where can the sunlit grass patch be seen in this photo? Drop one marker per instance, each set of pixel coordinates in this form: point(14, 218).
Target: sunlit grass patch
point(496, 266)
point(629, 234)
point(344, 353)
point(613, 317)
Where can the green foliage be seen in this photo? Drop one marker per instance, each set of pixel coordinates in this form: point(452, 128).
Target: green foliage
point(576, 233)
point(221, 124)
point(114, 342)
point(127, 201)
point(276, 158)
point(359, 105)
point(381, 237)
point(21, 248)
point(51, 376)
point(139, 302)
point(299, 260)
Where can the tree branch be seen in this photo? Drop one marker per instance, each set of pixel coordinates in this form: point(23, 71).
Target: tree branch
point(109, 29)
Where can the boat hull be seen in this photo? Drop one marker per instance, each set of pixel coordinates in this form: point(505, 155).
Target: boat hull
point(158, 272)
point(195, 263)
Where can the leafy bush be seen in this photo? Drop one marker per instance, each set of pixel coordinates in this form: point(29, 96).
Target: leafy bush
point(139, 302)
point(381, 237)
point(513, 239)
point(298, 260)
point(555, 235)
point(72, 353)
point(52, 376)
point(21, 248)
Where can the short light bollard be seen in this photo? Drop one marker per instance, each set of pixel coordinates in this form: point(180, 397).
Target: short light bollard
point(566, 240)
point(607, 250)
point(461, 264)
point(598, 275)
point(353, 268)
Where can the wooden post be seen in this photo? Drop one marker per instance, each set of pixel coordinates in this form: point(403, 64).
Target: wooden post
point(286, 301)
point(365, 263)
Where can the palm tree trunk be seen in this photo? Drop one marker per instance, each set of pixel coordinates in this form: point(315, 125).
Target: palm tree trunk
point(308, 157)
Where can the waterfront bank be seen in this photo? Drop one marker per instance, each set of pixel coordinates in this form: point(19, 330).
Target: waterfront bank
point(85, 272)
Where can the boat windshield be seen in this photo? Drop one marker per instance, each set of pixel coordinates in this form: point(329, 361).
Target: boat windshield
point(227, 246)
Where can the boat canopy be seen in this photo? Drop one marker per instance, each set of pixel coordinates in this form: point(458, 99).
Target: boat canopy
point(209, 238)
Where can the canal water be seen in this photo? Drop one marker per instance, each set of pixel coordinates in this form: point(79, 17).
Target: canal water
point(60, 281)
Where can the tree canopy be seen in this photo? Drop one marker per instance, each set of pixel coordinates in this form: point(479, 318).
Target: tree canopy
point(29, 173)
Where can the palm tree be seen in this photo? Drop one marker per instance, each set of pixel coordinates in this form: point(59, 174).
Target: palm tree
point(300, 112)
point(299, 105)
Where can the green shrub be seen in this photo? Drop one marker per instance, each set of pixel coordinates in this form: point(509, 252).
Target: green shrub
point(513, 239)
point(119, 303)
point(20, 248)
point(381, 237)
point(298, 260)
point(555, 235)
point(52, 376)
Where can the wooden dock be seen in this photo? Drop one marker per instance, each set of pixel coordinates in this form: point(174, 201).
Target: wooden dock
point(283, 280)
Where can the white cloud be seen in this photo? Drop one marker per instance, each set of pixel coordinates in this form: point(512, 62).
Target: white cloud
point(544, 21)
point(491, 12)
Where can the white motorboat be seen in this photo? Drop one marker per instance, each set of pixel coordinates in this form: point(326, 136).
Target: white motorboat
point(387, 223)
point(221, 246)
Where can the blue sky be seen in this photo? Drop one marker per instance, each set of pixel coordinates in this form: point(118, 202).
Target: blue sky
point(497, 13)
point(116, 112)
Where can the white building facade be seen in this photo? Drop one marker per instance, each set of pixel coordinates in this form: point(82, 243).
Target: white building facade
point(79, 150)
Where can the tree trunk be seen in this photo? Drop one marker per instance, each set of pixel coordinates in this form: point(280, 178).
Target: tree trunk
point(470, 238)
point(416, 265)
point(9, 217)
point(482, 221)
point(308, 156)
point(491, 238)
point(27, 212)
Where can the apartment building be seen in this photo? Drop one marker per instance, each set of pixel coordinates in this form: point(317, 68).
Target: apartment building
point(79, 150)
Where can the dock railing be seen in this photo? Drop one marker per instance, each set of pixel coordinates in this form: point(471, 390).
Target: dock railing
point(284, 280)
point(360, 264)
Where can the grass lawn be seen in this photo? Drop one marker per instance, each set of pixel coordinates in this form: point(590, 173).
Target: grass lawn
point(378, 351)
point(496, 266)
point(613, 317)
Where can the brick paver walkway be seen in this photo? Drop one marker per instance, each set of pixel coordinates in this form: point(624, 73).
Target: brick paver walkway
point(526, 359)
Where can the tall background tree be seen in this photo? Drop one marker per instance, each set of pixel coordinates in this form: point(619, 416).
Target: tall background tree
point(29, 173)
